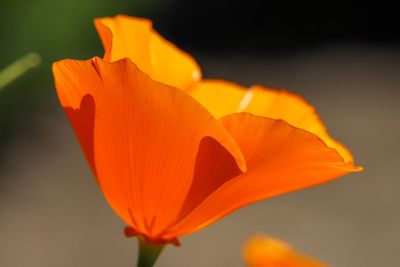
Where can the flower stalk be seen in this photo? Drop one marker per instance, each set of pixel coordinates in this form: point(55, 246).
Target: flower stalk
point(18, 67)
point(148, 253)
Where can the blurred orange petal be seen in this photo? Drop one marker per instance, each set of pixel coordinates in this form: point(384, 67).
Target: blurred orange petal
point(262, 101)
point(280, 158)
point(143, 141)
point(264, 251)
point(135, 38)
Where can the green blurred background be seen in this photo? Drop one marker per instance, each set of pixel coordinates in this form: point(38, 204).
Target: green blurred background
point(55, 30)
point(342, 56)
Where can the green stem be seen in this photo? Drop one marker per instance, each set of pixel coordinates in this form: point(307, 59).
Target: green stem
point(17, 68)
point(148, 253)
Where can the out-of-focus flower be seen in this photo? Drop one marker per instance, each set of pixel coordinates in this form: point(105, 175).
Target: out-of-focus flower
point(173, 153)
point(264, 251)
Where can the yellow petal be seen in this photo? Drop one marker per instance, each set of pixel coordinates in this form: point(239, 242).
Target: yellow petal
point(219, 97)
point(134, 38)
point(222, 98)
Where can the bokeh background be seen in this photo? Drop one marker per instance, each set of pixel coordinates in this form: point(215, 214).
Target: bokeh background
point(343, 56)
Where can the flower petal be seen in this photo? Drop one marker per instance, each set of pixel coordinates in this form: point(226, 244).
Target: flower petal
point(214, 166)
point(134, 38)
point(146, 136)
point(219, 97)
point(280, 158)
point(261, 101)
point(296, 111)
point(264, 251)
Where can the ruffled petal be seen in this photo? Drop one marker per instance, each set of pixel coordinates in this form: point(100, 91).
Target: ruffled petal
point(222, 98)
point(145, 138)
point(295, 110)
point(280, 158)
point(134, 38)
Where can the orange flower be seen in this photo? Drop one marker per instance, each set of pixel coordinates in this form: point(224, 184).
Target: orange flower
point(264, 251)
point(173, 153)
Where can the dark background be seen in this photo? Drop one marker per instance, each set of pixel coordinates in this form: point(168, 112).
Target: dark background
point(63, 29)
point(284, 26)
point(343, 56)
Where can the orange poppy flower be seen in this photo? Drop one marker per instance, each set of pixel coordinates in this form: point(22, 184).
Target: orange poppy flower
point(173, 153)
point(264, 251)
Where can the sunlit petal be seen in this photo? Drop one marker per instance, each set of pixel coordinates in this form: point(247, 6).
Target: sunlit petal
point(135, 38)
point(143, 141)
point(222, 98)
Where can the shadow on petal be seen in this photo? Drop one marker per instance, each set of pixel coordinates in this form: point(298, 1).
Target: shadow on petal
point(82, 120)
point(214, 166)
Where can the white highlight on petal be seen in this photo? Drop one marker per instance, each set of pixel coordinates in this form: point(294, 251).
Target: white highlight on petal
point(244, 103)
